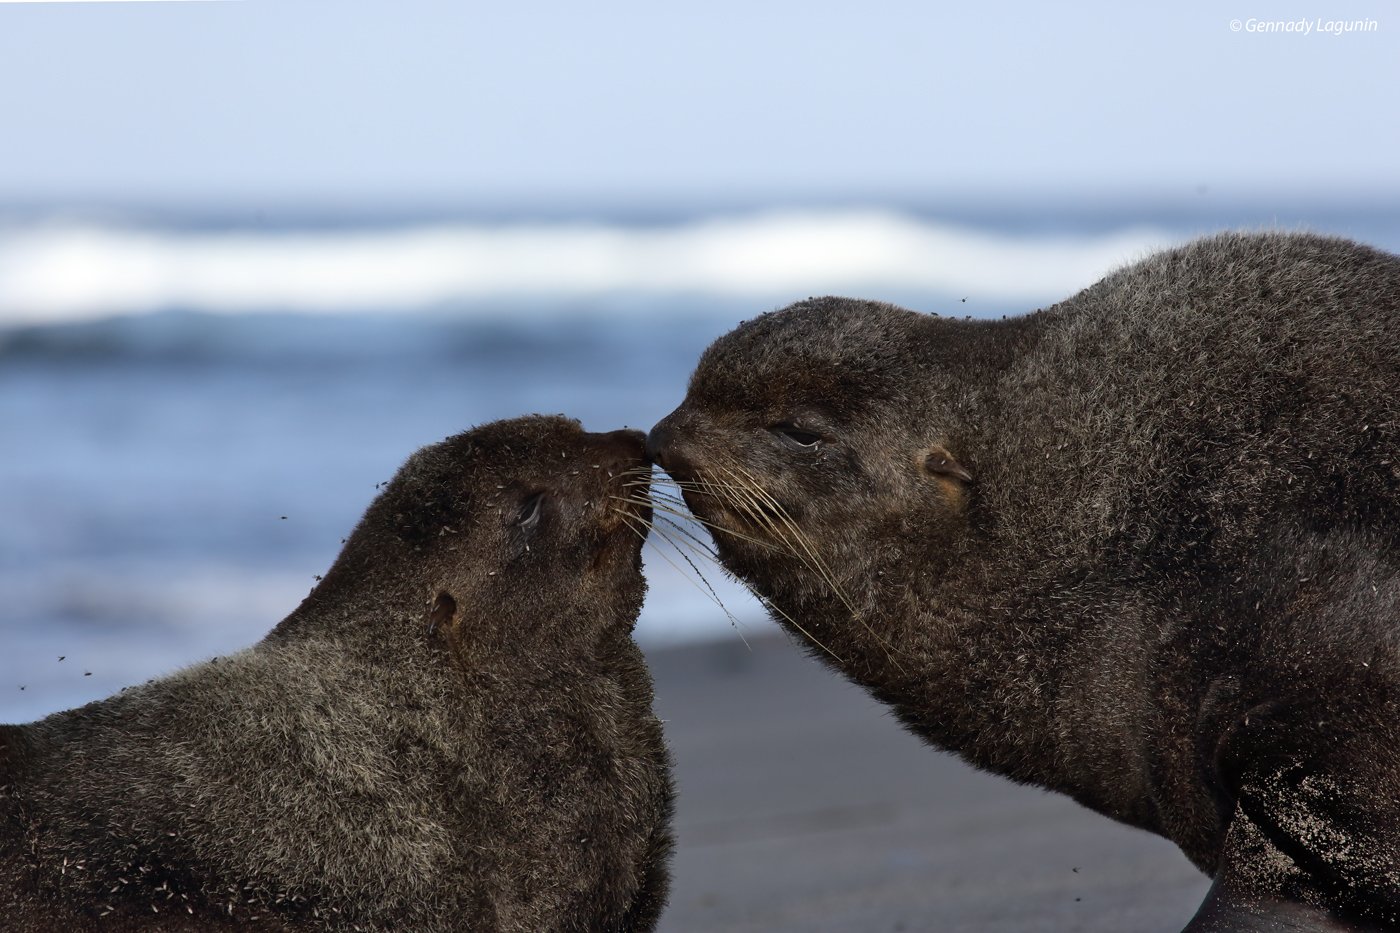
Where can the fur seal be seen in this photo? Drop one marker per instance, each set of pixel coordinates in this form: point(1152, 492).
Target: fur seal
point(1141, 547)
point(452, 732)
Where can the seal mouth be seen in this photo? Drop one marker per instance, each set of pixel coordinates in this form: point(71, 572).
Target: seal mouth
point(623, 530)
point(711, 508)
point(725, 495)
point(748, 516)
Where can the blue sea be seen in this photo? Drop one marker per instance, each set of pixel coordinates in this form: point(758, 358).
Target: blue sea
point(195, 407)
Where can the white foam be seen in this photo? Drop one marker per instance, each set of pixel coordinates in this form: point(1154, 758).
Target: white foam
point(72, 271)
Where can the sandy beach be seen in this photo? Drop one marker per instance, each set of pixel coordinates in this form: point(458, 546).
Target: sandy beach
point(804, 806)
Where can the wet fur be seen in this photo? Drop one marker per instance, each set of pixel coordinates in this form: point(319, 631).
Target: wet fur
point(369, 766)
point(1169, 589)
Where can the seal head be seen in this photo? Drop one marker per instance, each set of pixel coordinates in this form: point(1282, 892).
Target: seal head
point(819, 442)
point(453, 731)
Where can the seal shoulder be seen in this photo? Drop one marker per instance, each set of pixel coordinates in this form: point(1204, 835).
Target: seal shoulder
point(1235, 278)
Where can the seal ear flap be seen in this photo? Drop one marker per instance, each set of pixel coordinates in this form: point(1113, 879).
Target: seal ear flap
point(940, 462)
point(443, 613)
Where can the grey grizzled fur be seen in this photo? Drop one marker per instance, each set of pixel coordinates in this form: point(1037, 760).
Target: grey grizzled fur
point(1169, 588)
point(372, 765)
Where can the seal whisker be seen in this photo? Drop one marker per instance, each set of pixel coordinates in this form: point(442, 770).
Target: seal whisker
point(742, 506)
point(773, 607)
point(708, 590)
point(691, 541)
point(743, 501)
point(816, 562)
point(767, 603)
point(696, 541)
point(740, 495)
point(691, 516)
point(733, 620)
point(769, 519)
point(666, 479)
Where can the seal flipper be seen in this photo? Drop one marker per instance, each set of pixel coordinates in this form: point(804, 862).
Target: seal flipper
point(1314, 839)
point(1344, 841)
point(1255, 891)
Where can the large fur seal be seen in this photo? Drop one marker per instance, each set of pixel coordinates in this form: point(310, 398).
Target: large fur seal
point(452, 732)
point(1141, 548)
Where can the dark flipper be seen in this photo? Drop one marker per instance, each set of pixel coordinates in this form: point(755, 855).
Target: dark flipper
point(1306, 743)
point(1314, 841)
point(1260, 890)
point(1228, 911)
point(1341, 828)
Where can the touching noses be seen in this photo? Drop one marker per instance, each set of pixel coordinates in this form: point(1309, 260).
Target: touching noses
point(662, 448)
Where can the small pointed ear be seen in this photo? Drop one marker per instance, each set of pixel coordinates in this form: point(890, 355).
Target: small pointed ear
point(940, 462)
point(443, 613)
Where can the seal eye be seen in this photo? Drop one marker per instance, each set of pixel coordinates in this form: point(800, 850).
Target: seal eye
point(794, 436)
point(530, 512)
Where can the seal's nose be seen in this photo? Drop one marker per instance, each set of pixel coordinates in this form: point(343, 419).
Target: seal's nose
point(659, 442)
point(622, 449)
point(667, 444)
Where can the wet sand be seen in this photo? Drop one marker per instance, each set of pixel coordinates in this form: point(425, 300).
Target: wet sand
point(804, 806)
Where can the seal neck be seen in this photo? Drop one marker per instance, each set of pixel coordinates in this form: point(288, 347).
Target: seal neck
point(967, 657)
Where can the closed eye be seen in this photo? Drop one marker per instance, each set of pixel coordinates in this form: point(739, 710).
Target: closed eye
point(530, 510)
point(796, 437)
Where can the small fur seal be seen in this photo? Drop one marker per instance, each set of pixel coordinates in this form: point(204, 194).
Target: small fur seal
point(452, 732)
point(1141, 548)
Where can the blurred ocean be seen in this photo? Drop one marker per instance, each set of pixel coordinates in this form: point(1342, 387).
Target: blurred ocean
point(194, 410)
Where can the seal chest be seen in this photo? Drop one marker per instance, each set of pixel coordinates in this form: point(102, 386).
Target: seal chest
point(1069, 546)
point(453, 731)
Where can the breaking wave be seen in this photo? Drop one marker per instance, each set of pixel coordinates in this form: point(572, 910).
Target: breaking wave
point(66, 271)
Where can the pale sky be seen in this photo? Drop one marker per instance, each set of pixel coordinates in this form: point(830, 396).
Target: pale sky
point(454, 99)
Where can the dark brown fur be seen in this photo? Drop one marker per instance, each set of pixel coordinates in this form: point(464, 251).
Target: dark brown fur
point(1140, 548)
point(452, 732)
